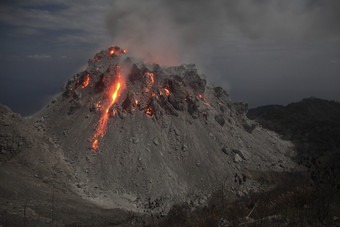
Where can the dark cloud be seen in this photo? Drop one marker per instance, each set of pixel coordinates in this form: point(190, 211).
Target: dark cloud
point(264, 51)
point(40, 57)
point(78, 21)
point(42, 44)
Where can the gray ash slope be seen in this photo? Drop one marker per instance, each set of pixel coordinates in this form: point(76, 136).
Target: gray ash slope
point(159, 148)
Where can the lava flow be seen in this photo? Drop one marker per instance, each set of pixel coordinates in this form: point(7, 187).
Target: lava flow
point(167, 92)
point(102, 123)
point(203, 100)
point(86, 81)
point(117, 51)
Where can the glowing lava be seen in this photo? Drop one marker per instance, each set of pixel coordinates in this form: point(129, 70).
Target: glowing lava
point(167, 92)
point(86, 81)
point(117, 51)
point(149, 111)
point(203, 100)
point(150, 80)
point(102, 123)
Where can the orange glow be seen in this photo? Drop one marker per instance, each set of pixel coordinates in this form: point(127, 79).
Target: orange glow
point(86, 81)
point(102, 123)
point(136, 101)
point(150, 80)
point(151, 76)
point(114, 113)
point(117, 52)
point(203, 100)
point(99, 106)
point(149, 111)
point(167, 92)
point(114, 96)
point(95, 144)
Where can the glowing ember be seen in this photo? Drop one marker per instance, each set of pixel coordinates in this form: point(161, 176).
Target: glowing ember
point(95, 144)
point(86, 81)
point(203, 100)
point(149, 111)
point(117, 51)
point(99, 106)
point(151, 76)
point(102, 123)
point(150, 80)
point(167, 92)
point(136, 101)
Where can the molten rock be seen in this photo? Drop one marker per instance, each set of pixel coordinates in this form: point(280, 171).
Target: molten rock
point(138, 130)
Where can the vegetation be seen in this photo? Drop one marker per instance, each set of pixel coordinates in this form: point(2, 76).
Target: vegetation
point(293, 202)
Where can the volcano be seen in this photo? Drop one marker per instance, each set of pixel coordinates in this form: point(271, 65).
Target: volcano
point(138, 137)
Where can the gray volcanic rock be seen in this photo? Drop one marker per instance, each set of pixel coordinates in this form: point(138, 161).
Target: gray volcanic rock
point(169, 136)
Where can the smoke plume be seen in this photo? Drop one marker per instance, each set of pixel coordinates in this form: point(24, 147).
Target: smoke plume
point(172, 32)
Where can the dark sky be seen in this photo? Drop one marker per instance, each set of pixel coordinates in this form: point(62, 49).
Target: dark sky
point(261, 52)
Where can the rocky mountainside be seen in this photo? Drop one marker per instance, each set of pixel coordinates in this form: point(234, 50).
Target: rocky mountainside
point(139, 137)
point(314, 126)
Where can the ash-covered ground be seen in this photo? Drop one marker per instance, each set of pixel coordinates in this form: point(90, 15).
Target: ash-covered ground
point(125, 136)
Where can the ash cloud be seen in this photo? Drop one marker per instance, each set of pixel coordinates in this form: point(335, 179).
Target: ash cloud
point(173, 32)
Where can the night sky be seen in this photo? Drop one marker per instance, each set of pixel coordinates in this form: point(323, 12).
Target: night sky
point(262, 52)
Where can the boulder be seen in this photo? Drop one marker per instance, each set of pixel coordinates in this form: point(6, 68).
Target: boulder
point(220, 119)
point(242, 153)
point(195, 81)
point(241, 107)
point(177, 95)
point(237, 158)
point(219, 92)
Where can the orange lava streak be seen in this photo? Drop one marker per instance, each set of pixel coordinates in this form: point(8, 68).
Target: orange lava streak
point(102, 123)
point(95, 144)
point(86, 81)
point(151, 77)
point(203, 100)
point(167, 92)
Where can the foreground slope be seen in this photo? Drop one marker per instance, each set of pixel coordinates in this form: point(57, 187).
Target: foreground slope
point(169, 136)
point(124, 134)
